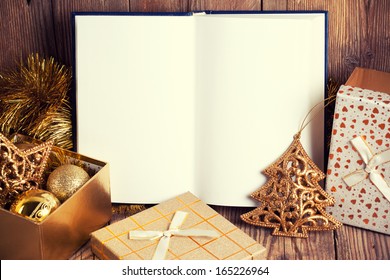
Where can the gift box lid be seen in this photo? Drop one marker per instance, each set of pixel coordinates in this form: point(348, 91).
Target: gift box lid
point(113, 241)
point(370, 79)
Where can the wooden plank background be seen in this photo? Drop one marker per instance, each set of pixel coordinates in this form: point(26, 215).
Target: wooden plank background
point(359, 35)
point(359, 30)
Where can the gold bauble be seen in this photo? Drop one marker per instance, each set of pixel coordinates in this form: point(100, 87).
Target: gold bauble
point(65, 180)
point(35, 204)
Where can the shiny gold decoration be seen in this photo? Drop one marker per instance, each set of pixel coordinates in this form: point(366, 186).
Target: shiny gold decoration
point(66, 180)
point(292, 201)
point(58, 156)
point(34, 101)
point(35, 204)
point(24, 146)
point(127, 209)
point(332, 88)
point(20, 170)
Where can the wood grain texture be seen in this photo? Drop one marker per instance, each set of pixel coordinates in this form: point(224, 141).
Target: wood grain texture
point(25, 29)
point(359, 33)
point(62, 11)
point(272, 5)
point(159, 6)
point(84, 253)
point(199, 5)
point(359, 244)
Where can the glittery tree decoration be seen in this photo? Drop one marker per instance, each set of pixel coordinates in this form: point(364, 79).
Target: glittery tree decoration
point(292, 201)
point(34, 101)
point(20, 170)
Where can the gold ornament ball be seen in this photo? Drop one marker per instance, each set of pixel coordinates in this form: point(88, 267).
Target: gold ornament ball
point(35, 204)
point(65, 180)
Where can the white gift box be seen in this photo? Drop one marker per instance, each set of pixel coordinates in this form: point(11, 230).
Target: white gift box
point(358, 174)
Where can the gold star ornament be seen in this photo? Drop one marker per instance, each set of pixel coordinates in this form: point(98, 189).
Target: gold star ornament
point(20, 169)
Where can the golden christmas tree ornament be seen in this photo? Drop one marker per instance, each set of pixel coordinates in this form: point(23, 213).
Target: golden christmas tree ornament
point(65, 180)
point(35, 204)
point(292, 201)
point(20, 170)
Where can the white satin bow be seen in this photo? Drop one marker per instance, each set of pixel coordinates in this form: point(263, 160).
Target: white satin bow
point(163, 244)
point(372, 161)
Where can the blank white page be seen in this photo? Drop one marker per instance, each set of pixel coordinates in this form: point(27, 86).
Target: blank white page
point(135, 108)
point(257, 77)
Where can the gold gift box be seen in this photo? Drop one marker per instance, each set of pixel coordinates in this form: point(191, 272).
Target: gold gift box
point(66, 229)
point(112, 242)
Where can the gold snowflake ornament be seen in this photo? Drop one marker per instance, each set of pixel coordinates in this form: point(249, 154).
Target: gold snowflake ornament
point(292, 201)
point(20, 170)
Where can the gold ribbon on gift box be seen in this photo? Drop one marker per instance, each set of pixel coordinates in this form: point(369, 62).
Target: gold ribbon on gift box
point(165, 236)
point(372, 161)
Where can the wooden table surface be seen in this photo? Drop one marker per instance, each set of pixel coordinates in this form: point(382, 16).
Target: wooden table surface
point(346, 243)
point(359, 33)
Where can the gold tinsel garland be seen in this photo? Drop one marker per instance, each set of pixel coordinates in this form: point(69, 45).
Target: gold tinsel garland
point(34, 101)
point(332, 88)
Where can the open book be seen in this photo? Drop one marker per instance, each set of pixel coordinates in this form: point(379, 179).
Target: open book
point(196, 102)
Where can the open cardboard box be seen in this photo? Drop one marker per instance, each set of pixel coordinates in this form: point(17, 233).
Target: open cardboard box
point(66, 229)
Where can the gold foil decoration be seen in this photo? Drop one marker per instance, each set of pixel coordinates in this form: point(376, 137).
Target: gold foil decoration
point(65, 180)
point(35, 100)
point(292, 201)
point(35, 204)
point(20, 170)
